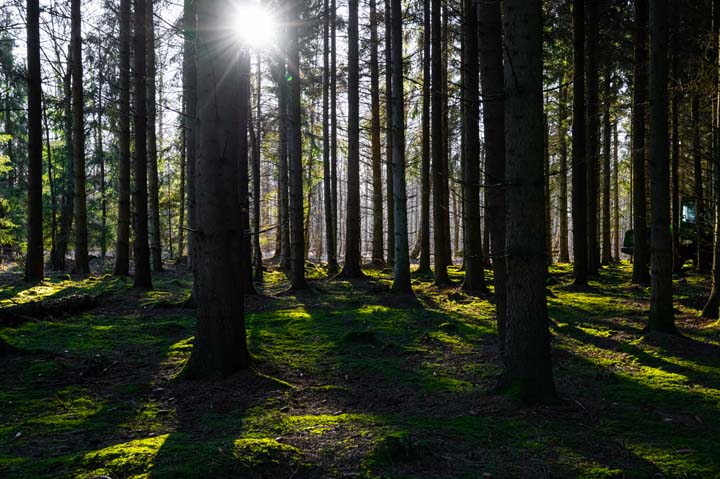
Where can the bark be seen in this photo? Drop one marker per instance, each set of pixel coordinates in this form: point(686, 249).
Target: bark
point(389, 137)
point(297, 235)
point(257, 157)
point(616, 195)
point(675, 141)
point(332, 252)
point(100, 157)
point(122, 245)
point(82, 259)
point(472, 235)
point(142, 249)
point(606, 240)
point(579, 165)
point(661, 294)
point(700, 208)
point(527, 371)
point(564, 253)
point(546, 184)
point(352, 266)
point(152, 153)
point(284, 208)
point(34, 267)
point(424, 266)
point(641, 275)
point(243, 164)
point(491, 75)
point(377, 198)
point(327, 178)
point(190, 97)
point(593, 136)
point(220, 346)
point(401, 267)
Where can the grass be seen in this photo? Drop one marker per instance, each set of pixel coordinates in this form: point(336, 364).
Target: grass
point(351, 381)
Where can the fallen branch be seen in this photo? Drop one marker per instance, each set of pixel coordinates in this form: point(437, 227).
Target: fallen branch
point(48, 309)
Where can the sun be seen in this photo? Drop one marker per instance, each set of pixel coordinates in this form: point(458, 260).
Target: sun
point(255, 25)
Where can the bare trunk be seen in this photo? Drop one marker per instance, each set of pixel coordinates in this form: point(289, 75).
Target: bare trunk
point(377, 184)
point(82, 259)
point(564, 256)
point(579, 165)
point(152, 150)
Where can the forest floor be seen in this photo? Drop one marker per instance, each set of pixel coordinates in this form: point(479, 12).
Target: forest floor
point(351, 381)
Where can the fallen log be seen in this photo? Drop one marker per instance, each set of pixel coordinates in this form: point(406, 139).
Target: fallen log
point(49, 309)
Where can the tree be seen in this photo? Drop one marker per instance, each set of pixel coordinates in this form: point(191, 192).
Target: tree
point(82, 259)
point(190, 100)
point(390, 182)
point(152, 153)
point(579, 165)
point(641, 275)
point(327, 167)
point(297, 235)
point(34, 261)
point(491, 75)
point(564, 253)
point(606, 256)
point(424, 266)
point(661, 298)
point(257, 137)
point(332, 252)
point(142, 249)
point(352, 266)
point(220, 346)
point(244, 181)
point(377, 198)
point(527, 370)
point(401, 267)
point(593, 138)
point(474, 264)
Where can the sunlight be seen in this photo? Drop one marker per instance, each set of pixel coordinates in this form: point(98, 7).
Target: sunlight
point(255, 25)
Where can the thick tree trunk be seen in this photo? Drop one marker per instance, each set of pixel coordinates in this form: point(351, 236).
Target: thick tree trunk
point(424, 266)
point(34, 267)
point(491, 75)
point(661, 295)
point(472, 235)
point(641, 257)
point(122, 245)
point(297, 235)
point(606, 239)
point(527, 369)
point(675, 141)
point(352, 266)
point(546, 184)
point(564, 253)
point(142, 249)
point(220, 346)
point(593, 138)
point(378, 252)
point(390, 182)
point(152, 157)
point(82, 259)
point(190, 98)
point(401, 267)
point(579, 165)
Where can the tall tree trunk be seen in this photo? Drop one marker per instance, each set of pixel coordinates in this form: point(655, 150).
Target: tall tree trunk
point(284, 207)
point(440, 203)
point(472, 235)
point(122, 245)
point(616, 193)
point(641, 275)
point(297, 236)
point(190, 99)
point(243, 164)
point(378, 252)
point(327, 179)
point(257, 154)
point(579, 165)
point(100, 157)
point(606, 240)
point(661, 295)
point(700, 226)
point(152, 150)
point(68, 206)
point(183, 183)
point(220, 346)
point(389, 137)
point(34, 267)
point(491, 75)
point(352, 266)
point(593, 138)
point(675, 141)
point(424, 266)
point(51, 180)
point(527, 371)
point(142, 249)
point(82, 259)
point(333, 266)
point(546, 184)
point(401, 267)
point(564, 253)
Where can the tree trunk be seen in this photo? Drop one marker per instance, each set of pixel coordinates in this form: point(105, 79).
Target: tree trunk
point(377, 184)
point(82, 260)
point(220, 346)
point(700, 226)
point(122, 245)
point(389, 137)
point(68, 206)
point(257, 153)
point(327, 179)
point(424, 266)
point(352, 266)
point(593, 139)
point(564, 253)
point(142, 249)
point(34, 267)
point(579, 165)
point(616, 193)
point(527, 369)
point(401, 267)
point(607, 100)
point(284, 208)
point(243, 163)
point(472, 235)
point(297, 236)
point(661, 295)
point(190, 98)
point(641, 275)
point(51, 180)
point(333, 266)
point(152, 158)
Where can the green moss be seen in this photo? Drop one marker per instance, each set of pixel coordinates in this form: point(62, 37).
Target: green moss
point(133, 459)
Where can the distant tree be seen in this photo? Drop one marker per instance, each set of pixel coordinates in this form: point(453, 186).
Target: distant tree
point(376, 155)
point(220, 346)
point(424, 266)
point(34, 267)
point(606, 257)
point(579, 165)
point(330, 238)
point(190, 101)
point(257, 137)
point(332, 252)
point(564, 253)
point(152, 146)
point(527, 371)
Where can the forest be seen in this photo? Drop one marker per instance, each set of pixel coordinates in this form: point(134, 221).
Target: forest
point(376, 239)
